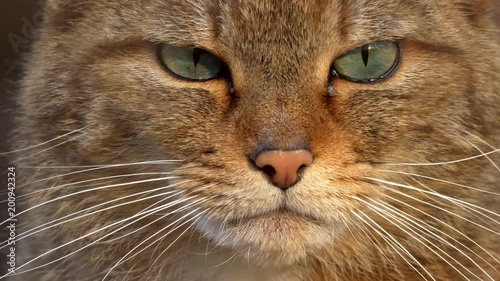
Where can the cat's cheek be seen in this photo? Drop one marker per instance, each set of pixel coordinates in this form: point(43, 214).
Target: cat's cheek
point(396, 117)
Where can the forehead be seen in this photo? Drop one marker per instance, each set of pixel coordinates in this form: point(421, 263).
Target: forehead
point(286, 22)
point(185, 21)
point(237, 24)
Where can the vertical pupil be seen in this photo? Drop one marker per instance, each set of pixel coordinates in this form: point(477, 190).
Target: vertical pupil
point(364, 54)
point(196, 56)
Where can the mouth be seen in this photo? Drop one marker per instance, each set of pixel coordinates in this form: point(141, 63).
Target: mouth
point(279, 236)
point(282, 235)
point(280, 216)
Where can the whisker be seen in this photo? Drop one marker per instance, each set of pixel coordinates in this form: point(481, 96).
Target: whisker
point(43, 143)
point(225, 262)
point(441, 163)
point(418, 222)
point(486, 156)
point(86, 181)
point(101, 166)
point(52, 223)
point(454, 200)
point(451, 204)
point(47, 149)
point(194, 219)
point(372, 239)
point(443, 223)
point(478, 138)
point(469, 207)
point(397, 222)
point(124, 258)
point(481, 140)
point(96, 168)
point(175, 223)
point(403, 226)
point(439, 208)
point(144, 211)
point(86, 191)
point(394, 240)
point(466, 206)
point(439, 180)
point(158, 209)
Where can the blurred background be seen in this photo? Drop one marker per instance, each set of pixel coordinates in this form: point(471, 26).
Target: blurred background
point(18, 19)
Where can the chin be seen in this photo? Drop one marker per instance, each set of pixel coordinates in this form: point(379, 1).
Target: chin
point(276, 239)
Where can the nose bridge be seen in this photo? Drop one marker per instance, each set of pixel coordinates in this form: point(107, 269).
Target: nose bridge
point(276, 103)
point(283, 130)
point(275, 120)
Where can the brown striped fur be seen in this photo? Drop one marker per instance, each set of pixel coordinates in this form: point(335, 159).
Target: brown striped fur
point(94, 66)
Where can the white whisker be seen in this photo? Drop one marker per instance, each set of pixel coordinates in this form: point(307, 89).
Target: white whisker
point(102, 166)
point(124, 258)
point(482, 153)
point(446, 224)
point(194, 219)
point(87, 181)
point(402, 225)
point(225, 262)
point(53, 224)
point(43, 143)
point(469, 207)
point(419, 223)
point(450, 203)
point(399, 224)
point(442, 163)
point(47, 149)
point(396, 243)
point(95, 168)
point(439, 180)
point(86, 191)
point(372, 239)
point(439, 208)
point(451, 199)
point(146, 210)
point(141, 216)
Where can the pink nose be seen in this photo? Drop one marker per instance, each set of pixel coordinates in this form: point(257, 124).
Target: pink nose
point(283, 166)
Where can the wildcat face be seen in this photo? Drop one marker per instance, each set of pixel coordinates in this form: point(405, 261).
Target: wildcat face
point(96, 68)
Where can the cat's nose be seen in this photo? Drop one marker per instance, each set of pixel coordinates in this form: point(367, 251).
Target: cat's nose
point(283, 167)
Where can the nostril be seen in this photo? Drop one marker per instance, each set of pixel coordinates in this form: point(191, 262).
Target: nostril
point(268, 170)
point(301, 168)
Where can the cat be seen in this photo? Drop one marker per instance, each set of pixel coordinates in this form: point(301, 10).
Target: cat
point(260, 140)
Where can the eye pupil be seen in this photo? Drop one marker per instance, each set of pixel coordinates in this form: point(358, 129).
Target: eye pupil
point(196, 56)
point(365, 54)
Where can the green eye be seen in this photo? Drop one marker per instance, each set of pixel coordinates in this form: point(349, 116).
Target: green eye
point(369, 63)
point(190, 63)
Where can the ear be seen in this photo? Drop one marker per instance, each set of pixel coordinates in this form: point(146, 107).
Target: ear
point(478, 12)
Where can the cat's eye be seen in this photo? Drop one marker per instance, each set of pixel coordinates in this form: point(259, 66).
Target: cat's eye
point(190, 63)
point(369, 63)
